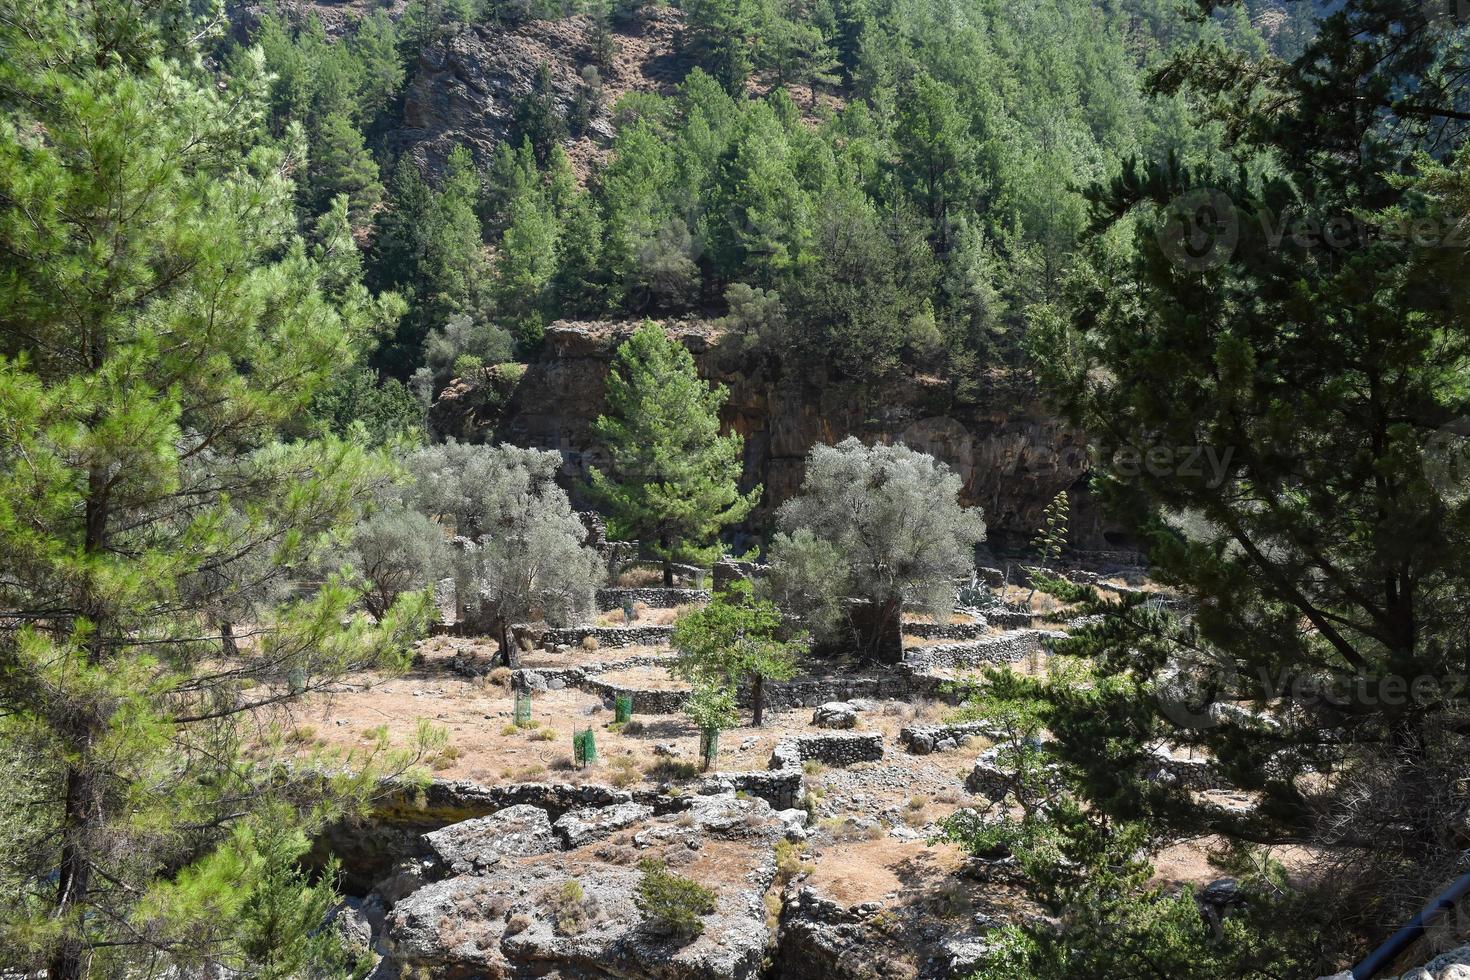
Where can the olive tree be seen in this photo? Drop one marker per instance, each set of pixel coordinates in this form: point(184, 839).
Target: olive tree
point(396, 551)
point(520, 544)
point(879, 525)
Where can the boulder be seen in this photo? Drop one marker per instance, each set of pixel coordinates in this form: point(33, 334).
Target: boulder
point(730, 817)
point(452, 928)
point(1216, 900)
point(793, 823)
point(965, 955)
point(475, 845)
point(594, 823)
point(353, 925)
point(835, 714)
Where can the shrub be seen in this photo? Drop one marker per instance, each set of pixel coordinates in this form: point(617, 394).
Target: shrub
point(788, 861)
point(571, 911)
point(590, 644)
point(543, 735)
point(632, 727)
point(500, 677)
point(468, 365)
point(625, 772)
point(672, 904)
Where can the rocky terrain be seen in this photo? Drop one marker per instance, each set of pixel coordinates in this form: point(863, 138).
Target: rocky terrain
point(818, 832)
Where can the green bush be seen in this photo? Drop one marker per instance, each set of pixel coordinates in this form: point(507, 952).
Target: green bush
point(673, 904)
point(468, 365)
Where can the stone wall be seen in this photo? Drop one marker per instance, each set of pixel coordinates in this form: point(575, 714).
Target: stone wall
point(1008, 619)
point(608, 636)
point(901, 683)
point(1003, 649)
point(645, 701)
point(831, 748)
point(808, 692)
point(612, 599)
point(923, 739)
point(779, 787)
point(946, 631)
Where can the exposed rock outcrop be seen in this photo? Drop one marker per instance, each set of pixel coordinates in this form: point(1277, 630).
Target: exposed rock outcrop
point(475, 845)
point(1011, 454)
point(465, 90)
point(575, 913)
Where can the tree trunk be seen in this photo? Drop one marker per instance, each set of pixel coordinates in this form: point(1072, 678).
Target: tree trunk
point(81, 807)
point(757, 700)
point(227, 638)
point(81, 815)
point(508, 651)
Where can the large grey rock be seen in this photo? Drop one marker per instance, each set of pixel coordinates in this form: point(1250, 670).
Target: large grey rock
point(965, 955)
point(517, 921)
point(730, 817)
point(353, 925)
point(988, 779)
point(793, 823)
point(835, 714)
point(452, 927)
point(474, 845)
point(594, 823)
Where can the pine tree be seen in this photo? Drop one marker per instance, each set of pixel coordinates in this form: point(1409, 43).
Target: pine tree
point(672, 478)
point(151, 344)
point(538, 116)
point(720, 33)
point(341, 164)
point(1274, 410)
point(429, 245)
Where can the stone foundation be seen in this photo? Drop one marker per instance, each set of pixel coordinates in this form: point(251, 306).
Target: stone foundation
point(923, 739)
point(946, 631)
point(779, 787)
point(834, 749)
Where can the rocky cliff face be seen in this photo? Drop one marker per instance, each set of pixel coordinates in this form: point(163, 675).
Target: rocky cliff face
point(464, 91)
point(1012, 455)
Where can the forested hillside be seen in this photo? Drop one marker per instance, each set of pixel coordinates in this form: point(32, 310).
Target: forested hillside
point(860, 189)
